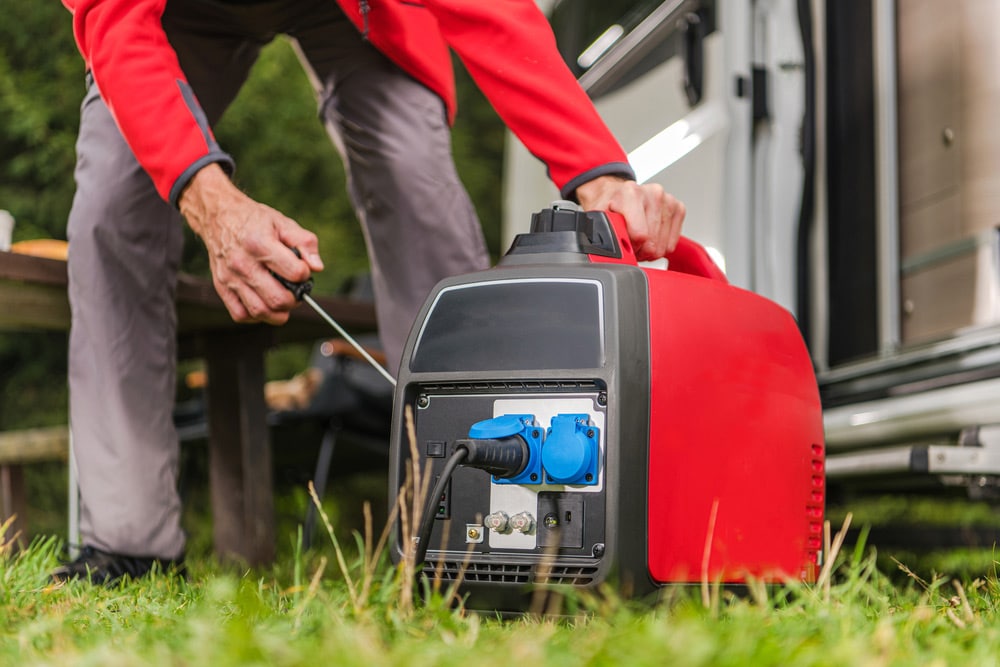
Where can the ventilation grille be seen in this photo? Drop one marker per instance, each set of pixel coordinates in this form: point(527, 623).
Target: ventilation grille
point(505, 573)
point(518, 386)
point(814, 508)
point(516, 573)
point(562, 574)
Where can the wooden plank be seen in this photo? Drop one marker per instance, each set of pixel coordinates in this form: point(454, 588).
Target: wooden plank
point(33, 306)
point(33, 295)
point(34, 445)
point(200, 308)
point(239, 447)
point(30, 269)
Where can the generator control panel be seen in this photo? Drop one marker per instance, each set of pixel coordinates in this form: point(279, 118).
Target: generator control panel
point(553, 502)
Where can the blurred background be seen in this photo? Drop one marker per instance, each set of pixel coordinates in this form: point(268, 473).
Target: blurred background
point(283, 159)
point(837, 158)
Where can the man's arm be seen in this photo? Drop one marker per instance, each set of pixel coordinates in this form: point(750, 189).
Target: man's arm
point(246, 240)
point(141, 81)
point(510, 51)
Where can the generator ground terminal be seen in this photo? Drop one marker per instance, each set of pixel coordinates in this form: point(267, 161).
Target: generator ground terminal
point(474, 533)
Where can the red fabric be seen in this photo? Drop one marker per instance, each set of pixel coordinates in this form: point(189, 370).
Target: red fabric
point(506, 45)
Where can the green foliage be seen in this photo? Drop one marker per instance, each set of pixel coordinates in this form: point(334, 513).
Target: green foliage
point(935, 509)
point(41, 86)
point(33, 380)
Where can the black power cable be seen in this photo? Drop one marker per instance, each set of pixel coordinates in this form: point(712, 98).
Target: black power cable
point(427, 519)
point(504, 457)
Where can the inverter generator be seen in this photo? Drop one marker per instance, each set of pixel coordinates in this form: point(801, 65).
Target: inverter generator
point(588, 421)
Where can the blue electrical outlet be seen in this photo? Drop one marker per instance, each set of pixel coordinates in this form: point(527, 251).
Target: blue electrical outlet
point(570, 452)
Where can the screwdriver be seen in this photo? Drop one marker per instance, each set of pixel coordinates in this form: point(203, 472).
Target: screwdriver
point(302, 291)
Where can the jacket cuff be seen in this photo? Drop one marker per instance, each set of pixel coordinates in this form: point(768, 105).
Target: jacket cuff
point(622, 169)
point(223, 159)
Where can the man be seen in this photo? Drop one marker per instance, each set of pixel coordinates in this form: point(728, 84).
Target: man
point(160, 74)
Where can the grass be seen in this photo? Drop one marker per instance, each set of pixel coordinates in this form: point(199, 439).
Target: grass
point(343, 603)
point(307, 610)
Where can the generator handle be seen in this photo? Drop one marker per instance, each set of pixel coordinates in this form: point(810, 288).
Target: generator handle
point(688, 257)
point(692, 258)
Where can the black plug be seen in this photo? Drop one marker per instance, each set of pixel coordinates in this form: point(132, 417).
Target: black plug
point(503, 457)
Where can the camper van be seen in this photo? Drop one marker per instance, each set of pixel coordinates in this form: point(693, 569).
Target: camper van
point(843, 160)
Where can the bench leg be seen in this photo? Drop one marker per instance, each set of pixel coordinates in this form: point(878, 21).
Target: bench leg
point(239, 447)
point(13, 502)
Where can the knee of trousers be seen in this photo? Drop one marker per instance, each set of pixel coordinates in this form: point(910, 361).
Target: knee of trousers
point(116, 211)
point(125, 210)
point(124, 235)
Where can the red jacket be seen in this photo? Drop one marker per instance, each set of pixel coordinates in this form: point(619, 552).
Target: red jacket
point(506, 45)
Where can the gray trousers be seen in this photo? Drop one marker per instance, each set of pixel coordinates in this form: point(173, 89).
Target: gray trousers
point(125, 245)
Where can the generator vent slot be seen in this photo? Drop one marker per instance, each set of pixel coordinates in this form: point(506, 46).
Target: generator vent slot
point(573, 575)
point(505, 573)
point(518, 386)
point(814, 509)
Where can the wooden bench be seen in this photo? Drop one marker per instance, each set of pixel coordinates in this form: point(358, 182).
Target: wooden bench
point(33, 297)
point(19, 448)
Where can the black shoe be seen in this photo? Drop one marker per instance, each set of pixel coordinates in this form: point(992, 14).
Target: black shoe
point(101, 567)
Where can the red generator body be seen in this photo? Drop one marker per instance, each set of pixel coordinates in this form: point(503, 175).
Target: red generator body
point(589, 421)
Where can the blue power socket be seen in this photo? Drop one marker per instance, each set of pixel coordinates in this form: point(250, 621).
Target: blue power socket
point(524, 426)
point(570, 452)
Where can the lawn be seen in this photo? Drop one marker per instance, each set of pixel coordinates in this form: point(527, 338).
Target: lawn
point(313, 608)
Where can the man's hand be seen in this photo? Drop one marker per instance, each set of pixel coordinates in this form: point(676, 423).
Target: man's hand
point(652, 216)
point(246, 241)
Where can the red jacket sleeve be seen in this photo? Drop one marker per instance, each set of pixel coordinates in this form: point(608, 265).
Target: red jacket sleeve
point(510, 51)
point(140, 79)
point(506, 45)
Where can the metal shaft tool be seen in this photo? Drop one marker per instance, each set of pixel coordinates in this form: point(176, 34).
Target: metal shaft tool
point(302, 293)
